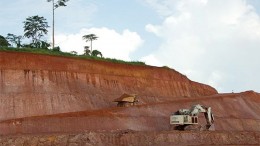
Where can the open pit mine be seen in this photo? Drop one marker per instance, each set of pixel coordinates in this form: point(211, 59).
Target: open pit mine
point(51, 100)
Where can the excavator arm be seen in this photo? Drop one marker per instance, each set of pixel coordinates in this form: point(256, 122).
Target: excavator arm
point(187, 117)
point(209, 117)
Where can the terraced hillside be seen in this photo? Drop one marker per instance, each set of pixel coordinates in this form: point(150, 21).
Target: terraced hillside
point(59, 100)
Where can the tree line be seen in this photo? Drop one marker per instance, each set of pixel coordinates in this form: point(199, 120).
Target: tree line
point(36, 27)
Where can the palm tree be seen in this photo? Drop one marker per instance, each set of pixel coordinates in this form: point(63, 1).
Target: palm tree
point(55, 5)
point(90, 37)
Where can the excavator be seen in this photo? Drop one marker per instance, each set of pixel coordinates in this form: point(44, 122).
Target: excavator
point(187, 119)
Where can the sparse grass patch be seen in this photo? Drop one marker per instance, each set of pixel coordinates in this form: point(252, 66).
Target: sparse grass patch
point(167, 67)
point(66, 54)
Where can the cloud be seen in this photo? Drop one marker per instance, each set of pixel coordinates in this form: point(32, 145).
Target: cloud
point(151, 60)
point(111, 43)
point(211, 41)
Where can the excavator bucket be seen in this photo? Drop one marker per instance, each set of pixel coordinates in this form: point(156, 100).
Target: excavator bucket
point(212, 128)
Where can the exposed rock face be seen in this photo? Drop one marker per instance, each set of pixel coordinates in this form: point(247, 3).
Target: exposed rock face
point(42, 94)
point(33, 85)
point(233, 112)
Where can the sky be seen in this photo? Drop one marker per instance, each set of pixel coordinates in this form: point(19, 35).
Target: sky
point(214, 42)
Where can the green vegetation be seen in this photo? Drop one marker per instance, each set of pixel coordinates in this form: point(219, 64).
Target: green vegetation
point(36, 27)
point(96, 53)
point(167, 67)
point(56, 52)
point(3, 42)
point(14, 39)
point(90, 37)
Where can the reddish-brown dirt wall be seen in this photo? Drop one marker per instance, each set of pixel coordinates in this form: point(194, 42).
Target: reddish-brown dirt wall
point(42, 94)
point(32, 85)
point(233, 112)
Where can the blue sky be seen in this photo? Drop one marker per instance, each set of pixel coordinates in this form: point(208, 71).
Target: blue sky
point(215, 42)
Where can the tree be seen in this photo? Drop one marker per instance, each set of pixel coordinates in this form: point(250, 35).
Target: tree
point(42, 45)
point(35, 27)
point(16, 40)
point(56, 49)
point(55, 5)
point(3, 42)
point(86, 51)
point(39, 44)
point(73, 52)
point(96, 53)
point(90, 37)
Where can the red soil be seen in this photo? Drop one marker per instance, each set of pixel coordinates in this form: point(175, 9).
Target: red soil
point(48, 94)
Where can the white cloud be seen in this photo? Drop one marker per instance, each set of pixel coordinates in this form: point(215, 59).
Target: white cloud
point(151, 60)
point(111, 43)
point(212, 41)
